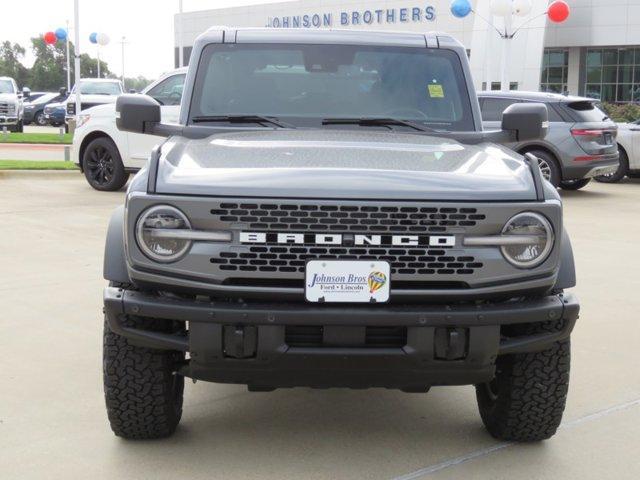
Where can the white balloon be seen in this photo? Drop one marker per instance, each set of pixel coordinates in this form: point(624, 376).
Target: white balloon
point(501, 8)
point(102, 39)
point(522, 7)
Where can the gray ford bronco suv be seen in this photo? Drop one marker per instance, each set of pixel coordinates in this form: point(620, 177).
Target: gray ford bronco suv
point(330, 213)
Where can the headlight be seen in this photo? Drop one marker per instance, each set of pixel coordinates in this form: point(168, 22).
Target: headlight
point(82, 119)
point(532, 240)
point(151, 233)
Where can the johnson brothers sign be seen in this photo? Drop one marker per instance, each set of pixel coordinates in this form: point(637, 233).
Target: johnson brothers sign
point(355, 17)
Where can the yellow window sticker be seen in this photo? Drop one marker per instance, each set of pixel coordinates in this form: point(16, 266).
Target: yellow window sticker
point(436, 90)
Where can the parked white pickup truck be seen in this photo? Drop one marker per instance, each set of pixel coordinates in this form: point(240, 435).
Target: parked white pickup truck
point(106, 155)
point(11, 105)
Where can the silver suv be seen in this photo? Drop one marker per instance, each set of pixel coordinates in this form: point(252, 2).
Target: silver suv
point(580, 143)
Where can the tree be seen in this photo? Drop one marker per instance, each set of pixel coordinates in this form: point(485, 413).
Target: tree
point(10, 64)
point(48, 70)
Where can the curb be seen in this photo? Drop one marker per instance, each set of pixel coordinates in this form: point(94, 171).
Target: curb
point(39, 174)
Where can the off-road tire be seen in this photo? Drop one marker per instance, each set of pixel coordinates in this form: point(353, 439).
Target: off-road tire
point(102, 165)
point(552, 173)
point(526, 400)
point(142, 392)
point(620, 173)
point(575, 184)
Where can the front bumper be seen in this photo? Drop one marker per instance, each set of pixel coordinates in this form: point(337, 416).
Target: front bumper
point(9, 121)
point(250, 343)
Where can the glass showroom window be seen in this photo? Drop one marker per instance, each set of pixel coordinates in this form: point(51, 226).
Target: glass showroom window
point(555, 66)
point(613, 74)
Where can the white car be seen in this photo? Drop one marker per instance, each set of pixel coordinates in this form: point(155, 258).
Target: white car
point(11, 105)
point(629, 147)
point(108, 156)
point(93, 92)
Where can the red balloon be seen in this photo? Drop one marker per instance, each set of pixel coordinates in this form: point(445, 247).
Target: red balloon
point(50, 38)
point(558, 11)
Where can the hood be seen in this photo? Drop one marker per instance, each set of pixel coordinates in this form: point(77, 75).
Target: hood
point(328, 163)
point(8, 97)
point(106, 110)
point(98, 99)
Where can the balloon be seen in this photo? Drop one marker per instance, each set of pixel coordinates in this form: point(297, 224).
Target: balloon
point(376, 280)
point(522, 8)
point(460, 8)
point(93, 38)
point(558, 11)
point(61, 34)
point(501, 8)
point(50, 38)
point(102, 39)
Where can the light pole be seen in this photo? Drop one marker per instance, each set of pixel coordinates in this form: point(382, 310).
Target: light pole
point(123, 43)
point(68, 61)
point(180, 33)
point(76, 59)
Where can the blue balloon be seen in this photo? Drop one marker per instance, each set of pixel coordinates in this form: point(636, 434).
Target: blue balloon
point(460, 8)
point(93, 38)
point(61, 34)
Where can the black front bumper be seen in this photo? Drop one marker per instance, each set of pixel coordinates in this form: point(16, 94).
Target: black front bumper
point(251, 343)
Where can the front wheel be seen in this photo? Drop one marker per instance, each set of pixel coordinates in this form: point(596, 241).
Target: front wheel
point(526, 399)
point(103, 166)
point(40, 120)
point(574, 184)
point(142, 391)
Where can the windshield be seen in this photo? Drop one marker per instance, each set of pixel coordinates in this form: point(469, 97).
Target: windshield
point(6, 86)
point(316, 82)
point(99, 88)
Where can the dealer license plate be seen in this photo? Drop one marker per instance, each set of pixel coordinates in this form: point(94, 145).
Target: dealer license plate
point(351, 281)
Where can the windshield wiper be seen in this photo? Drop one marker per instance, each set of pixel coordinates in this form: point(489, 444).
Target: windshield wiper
point(242, 119)
point(377, 122)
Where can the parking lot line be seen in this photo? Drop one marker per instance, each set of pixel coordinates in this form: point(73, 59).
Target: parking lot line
point(486, 451)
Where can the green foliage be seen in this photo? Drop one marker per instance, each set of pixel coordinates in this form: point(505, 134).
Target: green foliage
point(36, 138)
point(621, 113)
point(137, 83)
point(48, 72)
point(10, 64)
point(36, 165)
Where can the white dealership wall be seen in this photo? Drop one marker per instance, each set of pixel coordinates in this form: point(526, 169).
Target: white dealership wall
point(592, 23)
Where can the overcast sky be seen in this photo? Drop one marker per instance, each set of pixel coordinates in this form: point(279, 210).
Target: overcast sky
point(146, 24)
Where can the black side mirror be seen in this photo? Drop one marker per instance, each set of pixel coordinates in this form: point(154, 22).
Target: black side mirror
point(528, 121)
point(26, 93)
point(137, 113)
point(63, 92)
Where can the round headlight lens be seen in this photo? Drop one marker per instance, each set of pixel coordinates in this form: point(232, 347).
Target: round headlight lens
point(532, 227)
point(152, 224)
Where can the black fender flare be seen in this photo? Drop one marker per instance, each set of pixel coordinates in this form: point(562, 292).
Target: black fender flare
point(115, 264)
point(567, 273)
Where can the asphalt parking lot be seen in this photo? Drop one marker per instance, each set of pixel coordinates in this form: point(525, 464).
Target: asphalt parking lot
point(52, 417)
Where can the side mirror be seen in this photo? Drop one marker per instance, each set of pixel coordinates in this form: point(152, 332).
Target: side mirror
point(62, 91)
point(137, 113)
point(26, 93)
point(528, 121)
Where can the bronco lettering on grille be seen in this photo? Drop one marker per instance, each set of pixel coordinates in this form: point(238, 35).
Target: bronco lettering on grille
point(348, 239)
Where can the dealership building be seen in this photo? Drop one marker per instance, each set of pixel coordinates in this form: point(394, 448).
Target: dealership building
point(595, 52)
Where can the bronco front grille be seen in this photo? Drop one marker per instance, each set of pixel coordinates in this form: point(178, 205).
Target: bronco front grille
point(292, 258)
point(346, 218)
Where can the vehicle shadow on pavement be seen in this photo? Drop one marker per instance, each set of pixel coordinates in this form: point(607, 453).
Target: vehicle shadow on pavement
point(306, 429)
